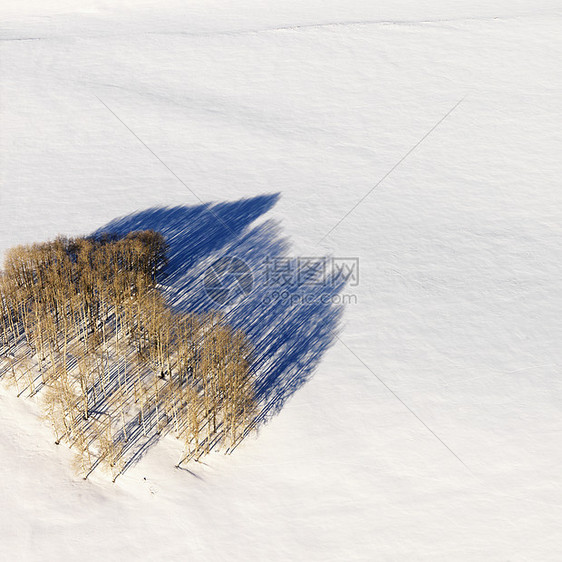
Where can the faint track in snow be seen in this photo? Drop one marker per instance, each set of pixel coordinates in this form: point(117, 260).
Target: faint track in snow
point(350, 23)
point(302, 26)
point(20, 39)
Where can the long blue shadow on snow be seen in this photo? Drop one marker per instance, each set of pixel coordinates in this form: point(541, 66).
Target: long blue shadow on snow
point(289, 334)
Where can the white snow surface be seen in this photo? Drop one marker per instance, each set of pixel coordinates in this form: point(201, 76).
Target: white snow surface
point(432, 430)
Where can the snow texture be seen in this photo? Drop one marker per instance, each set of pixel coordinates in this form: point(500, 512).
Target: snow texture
point(431, 429)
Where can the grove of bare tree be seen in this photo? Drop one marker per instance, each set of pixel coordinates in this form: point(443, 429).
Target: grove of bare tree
point(82, 321)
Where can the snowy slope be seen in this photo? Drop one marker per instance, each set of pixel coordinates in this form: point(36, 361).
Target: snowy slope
point(431, 430)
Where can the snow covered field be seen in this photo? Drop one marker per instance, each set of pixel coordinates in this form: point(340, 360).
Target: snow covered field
point(431, 430)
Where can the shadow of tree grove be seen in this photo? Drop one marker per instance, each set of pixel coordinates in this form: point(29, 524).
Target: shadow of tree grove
point(289, 320)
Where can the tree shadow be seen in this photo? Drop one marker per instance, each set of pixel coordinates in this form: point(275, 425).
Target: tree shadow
point(291, 318)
